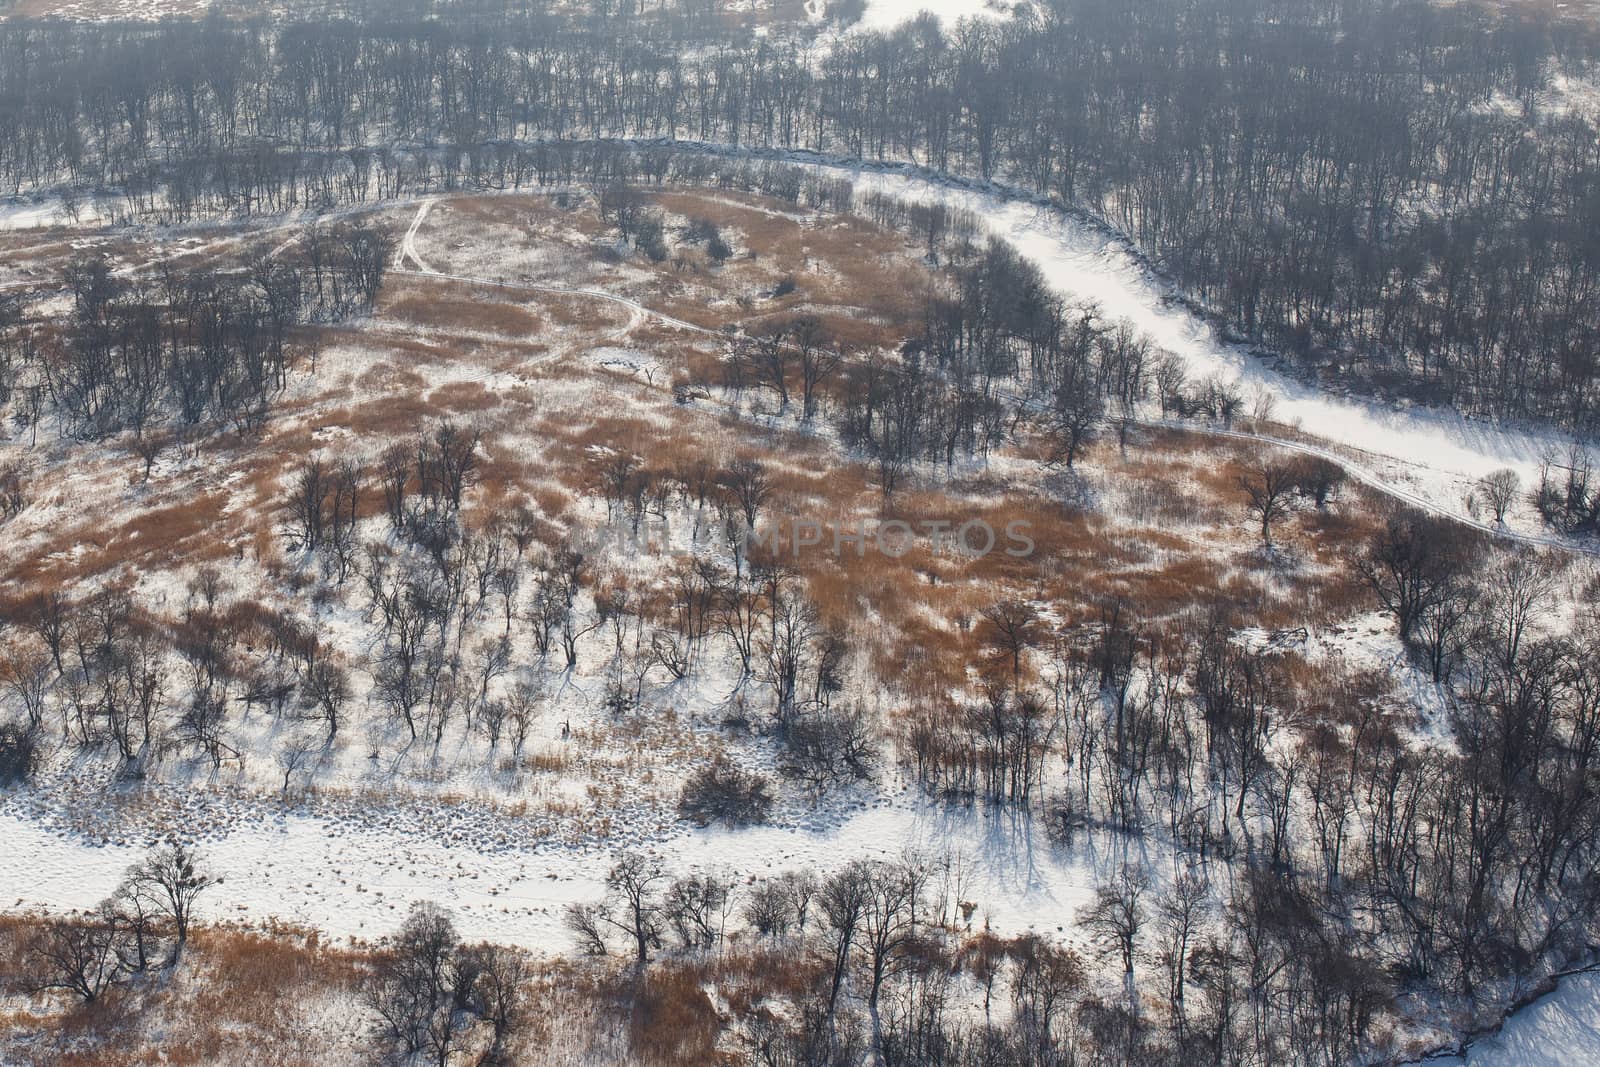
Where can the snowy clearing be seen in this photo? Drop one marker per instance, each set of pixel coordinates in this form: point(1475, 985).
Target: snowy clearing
point(887, 14)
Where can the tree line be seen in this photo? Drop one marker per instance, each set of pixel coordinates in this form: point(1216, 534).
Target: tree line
point(179, 346)
point(1373, 188)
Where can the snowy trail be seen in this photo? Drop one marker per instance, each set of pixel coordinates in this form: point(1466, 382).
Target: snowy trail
point(408, 246)
point(563, 290)
point(408, 250)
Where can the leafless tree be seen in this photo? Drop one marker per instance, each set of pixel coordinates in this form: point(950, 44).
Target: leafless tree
point(173, 876)
point(844, 900)
point(1267, 490)
point(1117, 914)
point(419, 983)
point(634, 889)
point(1013, 628)
point(1180, 915)
point(1499, 490)
point(748, 485)
point(75, 955)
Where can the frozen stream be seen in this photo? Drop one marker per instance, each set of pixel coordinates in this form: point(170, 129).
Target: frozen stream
point(1559, 1030)
point(1083, 261)
point(351, 879)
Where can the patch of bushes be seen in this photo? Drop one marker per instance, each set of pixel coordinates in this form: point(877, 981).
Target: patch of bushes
point(829, 746)
point(19, 753)
point(723, 792)
point(13, 497)
point(651, 238)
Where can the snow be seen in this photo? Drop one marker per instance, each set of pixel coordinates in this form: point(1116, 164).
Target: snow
point(355, 871)
point(24, 215)
point(39, 213)
point(1427, 457)
point(1560, 1030)
point(353, 878)
point(1433, 454)
point(887, 14)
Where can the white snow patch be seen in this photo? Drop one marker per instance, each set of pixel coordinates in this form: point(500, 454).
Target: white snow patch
point(1559, 1030)
point(887, 14)
point(1439, 452)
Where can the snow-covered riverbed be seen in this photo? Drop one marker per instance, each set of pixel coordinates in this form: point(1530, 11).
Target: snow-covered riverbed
point(1560, 1030)
point(354, 880)
point(1434, 449)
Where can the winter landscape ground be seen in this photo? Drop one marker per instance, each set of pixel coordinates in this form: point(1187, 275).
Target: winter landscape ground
point(494, 569)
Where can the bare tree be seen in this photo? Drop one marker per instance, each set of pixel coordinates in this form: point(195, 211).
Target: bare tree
point(1499, 490)
point(1117, 914)
point(819, 358)
point(1078, 410)
point(1412, 564)
point(76, 955)
point(1267, 490)
point(888, 931)
point(1013, 629)
point(1180, 914)
point(418, 984)
point(747, 483)
point(173, 876)
point(844, 900)
point(634, 886)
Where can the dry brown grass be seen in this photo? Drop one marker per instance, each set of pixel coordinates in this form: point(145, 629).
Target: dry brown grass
point(243, 997)
point(453, 308)
point(238, 997)
point(671, 1019)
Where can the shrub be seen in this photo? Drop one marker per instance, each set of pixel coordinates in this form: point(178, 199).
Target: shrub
point(19, 752)
point(651, 238)
point(1317, 478)
point(828, 746)
point(723, 792)
point(13, 497)
point(704, 231)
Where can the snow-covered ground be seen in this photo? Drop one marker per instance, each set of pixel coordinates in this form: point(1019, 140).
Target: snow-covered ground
point(49, 211)
point(1560, 1030)
point(887, 14)
point(353, 877)
point(357, 876)
point(1429, 457)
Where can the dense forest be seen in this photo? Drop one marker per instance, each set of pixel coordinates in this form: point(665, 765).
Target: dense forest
point(1399, 197)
